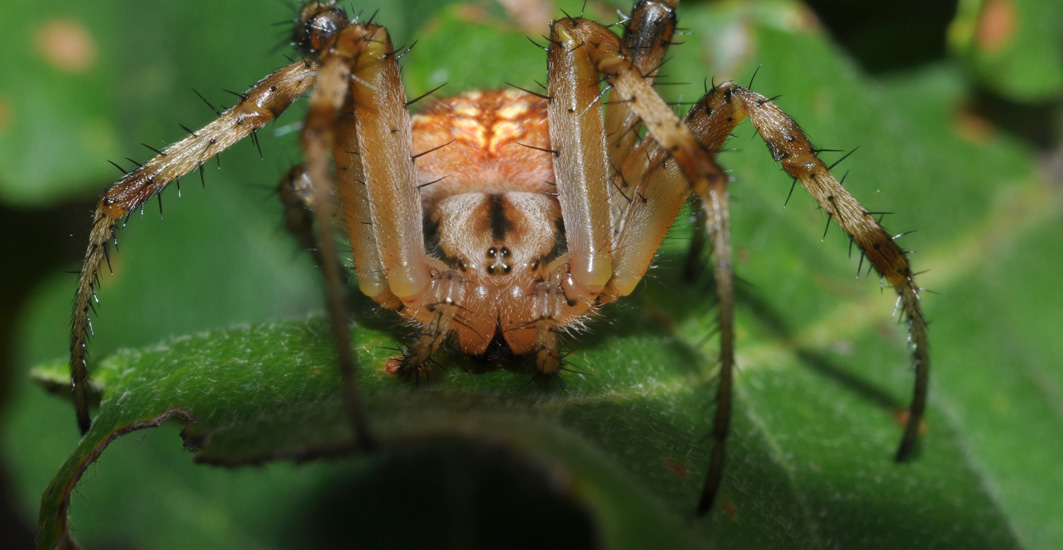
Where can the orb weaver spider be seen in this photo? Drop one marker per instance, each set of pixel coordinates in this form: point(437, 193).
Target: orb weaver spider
point(499, 218)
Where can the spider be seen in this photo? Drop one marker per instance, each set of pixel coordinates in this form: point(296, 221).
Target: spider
point(500, 218)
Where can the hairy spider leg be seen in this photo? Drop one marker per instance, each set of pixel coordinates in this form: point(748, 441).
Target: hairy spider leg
point(355, 53)
point(694, 159)
point(295, 191)
point(581, 173)
point(647, 35)
point(587, 145)
point(790, 147)
point(594, 49)
point(728, 104)
point(258, 106)
point(384, 210)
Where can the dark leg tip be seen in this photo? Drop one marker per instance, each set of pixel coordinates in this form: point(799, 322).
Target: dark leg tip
point(705, 504)
point(906, 452)
point(84, 422)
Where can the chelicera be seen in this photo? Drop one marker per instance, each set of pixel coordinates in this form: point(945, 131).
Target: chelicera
point(503, 217)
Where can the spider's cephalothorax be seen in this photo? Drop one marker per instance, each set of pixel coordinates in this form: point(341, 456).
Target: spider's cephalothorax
point(505, 216)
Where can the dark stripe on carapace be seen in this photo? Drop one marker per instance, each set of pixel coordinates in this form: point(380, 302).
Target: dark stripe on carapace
point(497, 214)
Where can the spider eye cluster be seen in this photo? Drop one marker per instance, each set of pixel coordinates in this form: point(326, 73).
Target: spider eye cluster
point(318, 22)
point(500, 261)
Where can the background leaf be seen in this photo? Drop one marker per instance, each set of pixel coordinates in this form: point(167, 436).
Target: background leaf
point(822, 363)
point(1014, 47)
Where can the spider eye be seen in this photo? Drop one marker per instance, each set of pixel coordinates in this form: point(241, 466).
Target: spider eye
point(317, 24)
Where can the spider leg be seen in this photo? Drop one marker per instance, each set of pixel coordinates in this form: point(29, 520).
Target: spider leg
point(358, 219)
point(577, 135)
point(259, 105)
point(693, 157)
point(693, 163)
point(714, 204)
point(578, 139)
point(792, 148)
point(358, 68)
point(375, 162)
point(662, 189)
point(647, 35)
point(579, 50)
point(694, 263)
point(295, 191)
point(661, 193)
point(385, 144)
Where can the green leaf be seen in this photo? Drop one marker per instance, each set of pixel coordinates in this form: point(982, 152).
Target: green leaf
point(621, 448)
point(268, 405)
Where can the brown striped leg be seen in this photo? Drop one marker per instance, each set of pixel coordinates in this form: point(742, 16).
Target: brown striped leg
point(259, 105)
point(647, 35)
point(693, 156)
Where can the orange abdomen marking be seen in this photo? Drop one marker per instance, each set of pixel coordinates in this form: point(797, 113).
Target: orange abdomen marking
point(488, 141)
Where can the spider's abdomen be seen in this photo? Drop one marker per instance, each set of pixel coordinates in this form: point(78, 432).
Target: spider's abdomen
point(482, 141)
